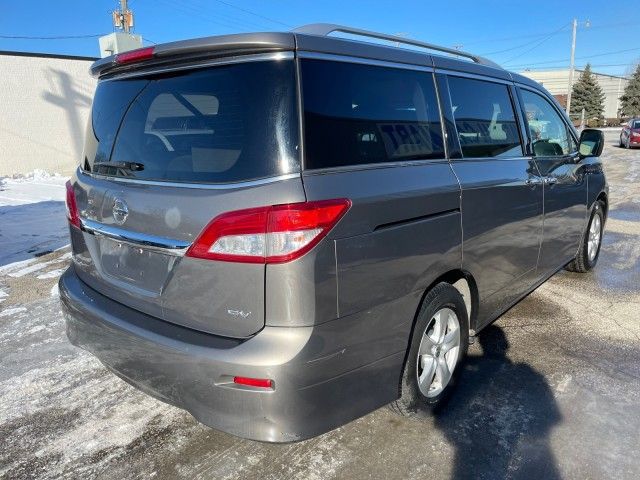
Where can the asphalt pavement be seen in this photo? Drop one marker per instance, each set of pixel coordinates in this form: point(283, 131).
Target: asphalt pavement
point(551, 390)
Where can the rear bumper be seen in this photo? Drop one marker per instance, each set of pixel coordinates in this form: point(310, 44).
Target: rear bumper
point(320, 381)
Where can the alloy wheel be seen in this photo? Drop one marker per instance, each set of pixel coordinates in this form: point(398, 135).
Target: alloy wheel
point(595, 234)
point(438, 352)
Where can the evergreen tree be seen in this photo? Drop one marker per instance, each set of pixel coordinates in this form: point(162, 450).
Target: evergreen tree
point(587, 94)
point(630, 100)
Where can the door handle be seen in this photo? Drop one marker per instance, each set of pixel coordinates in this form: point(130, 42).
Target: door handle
point(533, 181)
point(550, 180)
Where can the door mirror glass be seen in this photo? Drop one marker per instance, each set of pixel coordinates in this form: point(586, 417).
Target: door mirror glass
point(591, 142)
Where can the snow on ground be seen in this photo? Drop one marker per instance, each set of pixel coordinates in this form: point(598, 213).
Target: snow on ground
point(32, 216)
point(556, 376)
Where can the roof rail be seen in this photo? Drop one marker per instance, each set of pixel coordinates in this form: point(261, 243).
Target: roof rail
point(324, 29)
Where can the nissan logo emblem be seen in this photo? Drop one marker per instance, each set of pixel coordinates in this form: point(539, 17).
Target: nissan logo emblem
point(120, 211)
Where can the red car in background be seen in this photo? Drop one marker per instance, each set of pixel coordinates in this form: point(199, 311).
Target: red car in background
point(630, 134)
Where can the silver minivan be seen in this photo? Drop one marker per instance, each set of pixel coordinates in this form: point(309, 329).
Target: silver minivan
point(281, 232)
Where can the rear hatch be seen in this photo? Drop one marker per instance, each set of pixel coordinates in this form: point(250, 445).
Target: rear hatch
point(164, 154)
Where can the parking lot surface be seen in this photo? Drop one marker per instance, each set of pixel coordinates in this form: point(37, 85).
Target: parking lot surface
point(551, 390)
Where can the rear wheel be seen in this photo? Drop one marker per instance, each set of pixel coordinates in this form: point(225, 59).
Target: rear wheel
point(589, 250)
point(438, 345)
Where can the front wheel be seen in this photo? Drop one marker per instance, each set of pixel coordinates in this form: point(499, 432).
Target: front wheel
point(589, 249)
point(439, 343)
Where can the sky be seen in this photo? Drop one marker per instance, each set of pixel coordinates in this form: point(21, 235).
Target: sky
point(533, 34)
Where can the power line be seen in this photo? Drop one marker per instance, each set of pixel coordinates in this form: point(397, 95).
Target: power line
point(521, 46)
point(565, 67)
point(583, 57)
point(55, 37)
point(611, 53)
point(538, 43)
point(239, 21)
point(254, 14)
point(502, 39)
point(192, 12)
point(543, 34)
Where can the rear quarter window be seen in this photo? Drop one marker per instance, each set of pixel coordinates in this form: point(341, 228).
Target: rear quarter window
point(222, 124)
point(360, 114)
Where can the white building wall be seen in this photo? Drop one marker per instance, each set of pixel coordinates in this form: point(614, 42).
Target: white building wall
point(44, 104)
point(557, 82)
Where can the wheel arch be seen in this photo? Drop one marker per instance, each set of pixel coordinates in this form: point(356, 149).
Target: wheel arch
point(602, 197)
point(466, 285)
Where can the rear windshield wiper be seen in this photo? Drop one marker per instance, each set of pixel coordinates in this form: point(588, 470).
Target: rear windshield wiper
point(133, 166)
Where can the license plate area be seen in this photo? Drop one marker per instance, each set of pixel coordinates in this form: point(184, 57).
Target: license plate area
point(143, 268)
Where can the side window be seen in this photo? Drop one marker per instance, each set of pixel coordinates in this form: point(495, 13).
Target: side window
point(484, 118)
point(548, 131)
point(361, 114)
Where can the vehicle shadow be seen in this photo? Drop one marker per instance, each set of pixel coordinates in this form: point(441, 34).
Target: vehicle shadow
point(31, 230)
point(500, 417)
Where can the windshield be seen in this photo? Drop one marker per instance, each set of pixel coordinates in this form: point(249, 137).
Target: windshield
point(217, 125)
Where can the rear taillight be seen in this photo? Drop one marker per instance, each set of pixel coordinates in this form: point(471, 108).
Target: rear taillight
point(274, 234)
point(72, 206)
point(135, 55)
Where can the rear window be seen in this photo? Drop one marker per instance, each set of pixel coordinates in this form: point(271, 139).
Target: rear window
point(217, 125)
point(485, 119)
point(359, 114)
point(636, 124)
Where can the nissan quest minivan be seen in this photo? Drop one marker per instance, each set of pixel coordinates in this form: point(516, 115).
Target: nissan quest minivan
point(281, 232)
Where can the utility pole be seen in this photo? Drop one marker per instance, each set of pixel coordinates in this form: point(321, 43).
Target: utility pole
point(618, 97)
point(124, 9)
point(123, 18)
point(122, 40)
point(572, 64)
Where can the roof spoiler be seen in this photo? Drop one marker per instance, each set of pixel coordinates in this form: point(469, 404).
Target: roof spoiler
point(241, 43)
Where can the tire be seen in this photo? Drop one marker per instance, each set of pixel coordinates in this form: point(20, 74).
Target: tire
point(437, 306)
point(621, 145)
point(585, 261)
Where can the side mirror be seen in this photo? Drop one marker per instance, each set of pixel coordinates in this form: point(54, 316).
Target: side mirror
point(591, 143)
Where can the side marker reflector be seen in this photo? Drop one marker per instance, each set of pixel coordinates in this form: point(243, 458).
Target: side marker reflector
point(253, 382)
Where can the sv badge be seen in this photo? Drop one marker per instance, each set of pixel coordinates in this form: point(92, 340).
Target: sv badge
point(238, 313)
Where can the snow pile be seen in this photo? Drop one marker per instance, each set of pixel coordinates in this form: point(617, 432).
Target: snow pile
point(32, 215)
point(37, 175)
